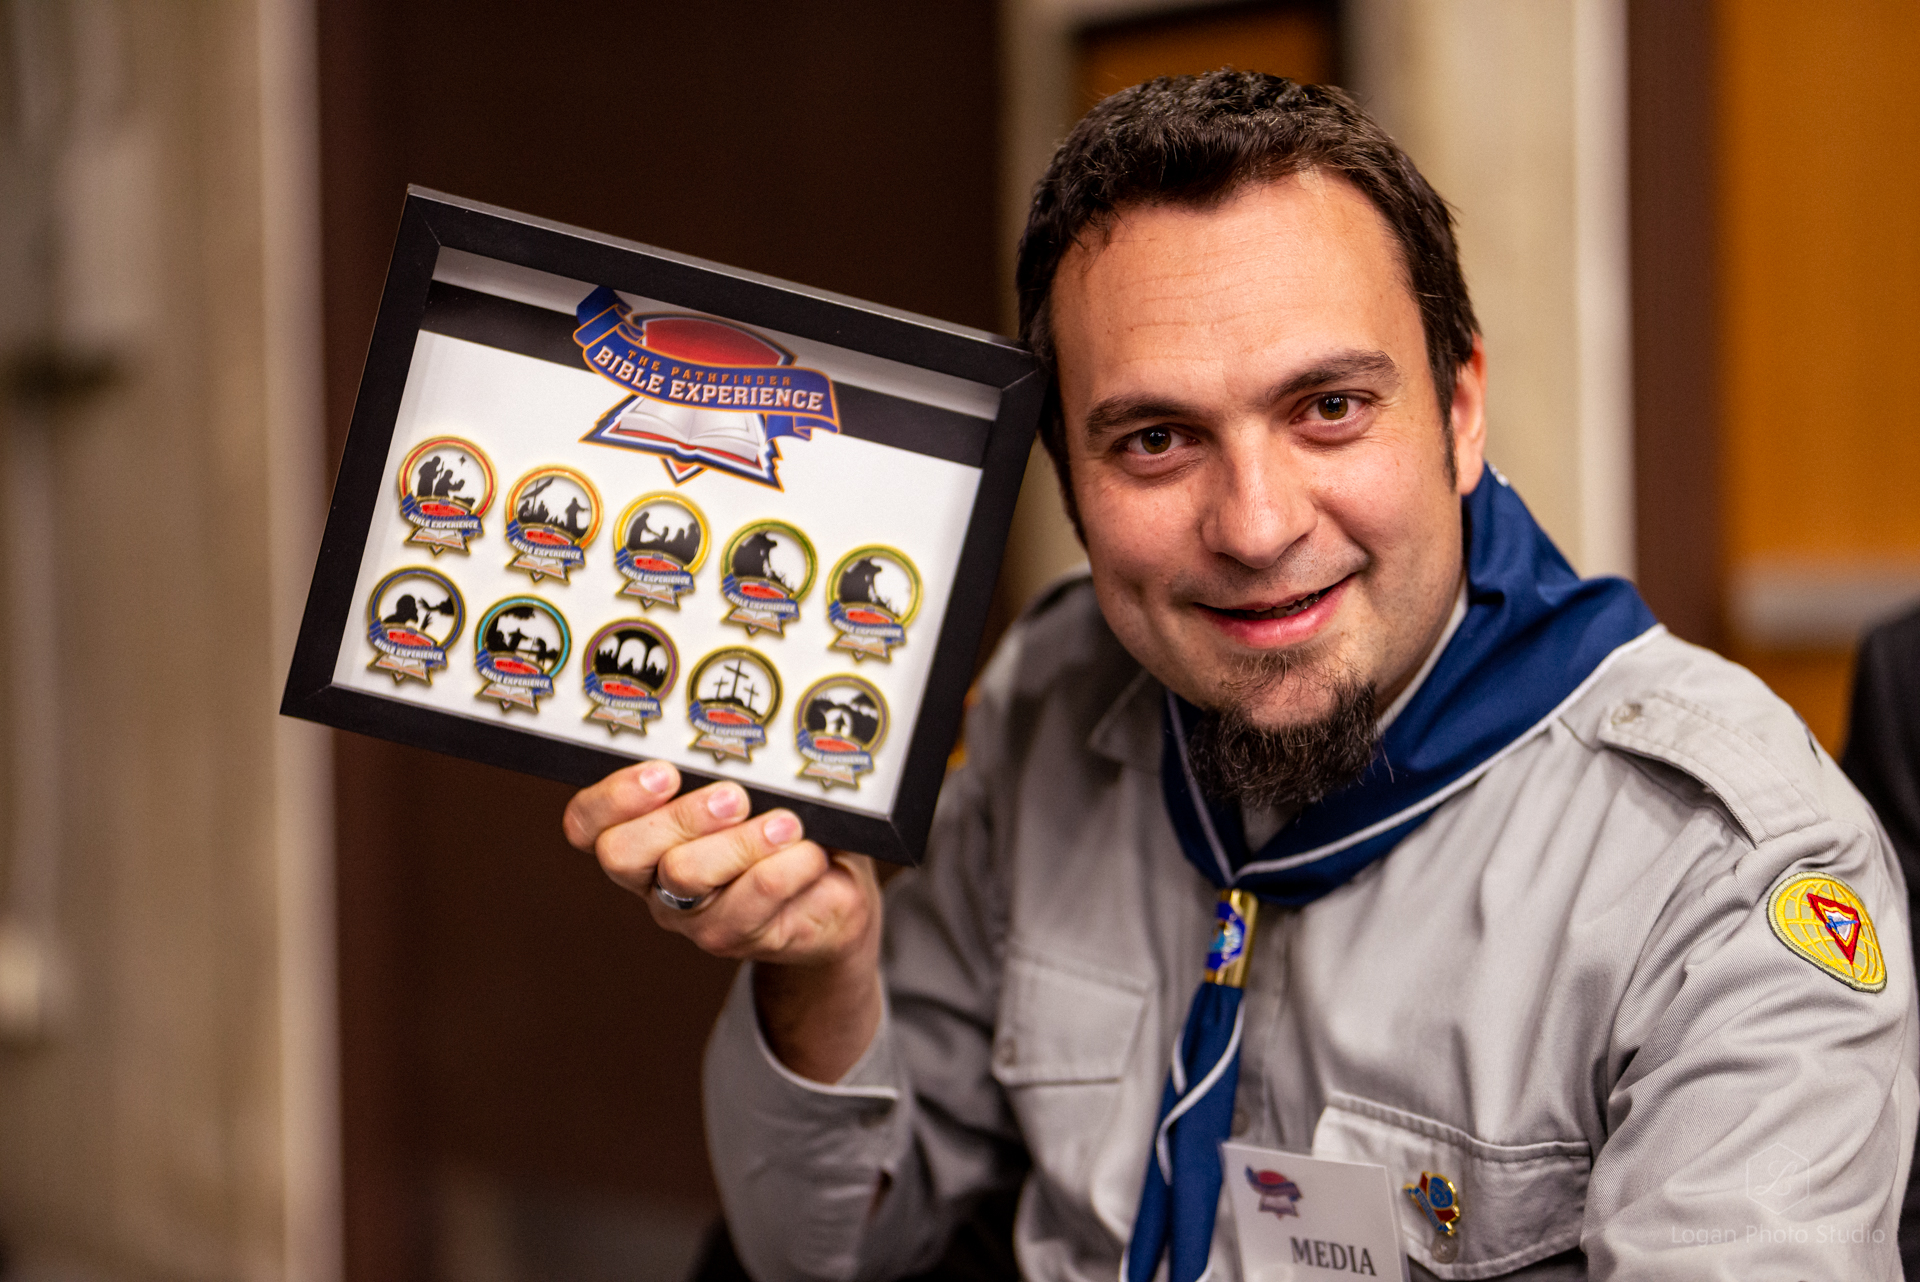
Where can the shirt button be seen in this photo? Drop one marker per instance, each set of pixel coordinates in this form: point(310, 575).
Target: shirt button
point(1005, 1054)
point(1626, 714)
point(1241, 1122)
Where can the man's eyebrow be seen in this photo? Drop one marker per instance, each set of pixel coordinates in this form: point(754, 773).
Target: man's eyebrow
point(1122, 411)
point(1340, 367)
point(1119, 412)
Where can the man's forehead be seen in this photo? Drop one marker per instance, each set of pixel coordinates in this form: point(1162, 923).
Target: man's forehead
point(1281, 270)
point(1252, 216)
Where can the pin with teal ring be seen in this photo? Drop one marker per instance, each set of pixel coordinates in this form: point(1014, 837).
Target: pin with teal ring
point(1439, 1201)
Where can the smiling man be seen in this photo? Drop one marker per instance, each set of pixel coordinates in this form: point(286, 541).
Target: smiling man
point(1332, 785)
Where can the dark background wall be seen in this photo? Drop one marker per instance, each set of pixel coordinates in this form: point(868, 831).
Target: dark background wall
point(505, 1010)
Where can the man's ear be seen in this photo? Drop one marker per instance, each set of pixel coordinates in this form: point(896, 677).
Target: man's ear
point(1470, 418)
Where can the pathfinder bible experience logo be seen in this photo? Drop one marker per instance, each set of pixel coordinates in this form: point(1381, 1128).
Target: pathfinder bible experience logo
point(769, 567)
point(731, 696)
point(872, 595)
point(555, 514)
point(446, 487)
point(841, 723)
point(660, 543)
point(413, 615)
point(629, 667)
point(701, 393)
point(519, 644)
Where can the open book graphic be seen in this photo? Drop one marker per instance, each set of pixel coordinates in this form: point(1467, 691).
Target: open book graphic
point(735, 434)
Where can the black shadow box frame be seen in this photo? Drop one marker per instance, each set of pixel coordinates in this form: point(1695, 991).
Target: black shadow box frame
point(431, 221)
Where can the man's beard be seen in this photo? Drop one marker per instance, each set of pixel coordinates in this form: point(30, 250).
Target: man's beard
point(1293, 766)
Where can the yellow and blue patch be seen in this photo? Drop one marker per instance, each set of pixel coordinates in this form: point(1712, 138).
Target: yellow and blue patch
point(1822, 919)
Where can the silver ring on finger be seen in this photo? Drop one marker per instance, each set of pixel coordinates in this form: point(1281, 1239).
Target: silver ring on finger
point(679, 903)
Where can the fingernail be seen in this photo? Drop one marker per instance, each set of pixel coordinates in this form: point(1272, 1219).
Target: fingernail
point(782, 829)
point(725, 803)
point(656, 776)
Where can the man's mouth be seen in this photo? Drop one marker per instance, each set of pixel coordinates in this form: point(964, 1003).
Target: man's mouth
point(1285, 610)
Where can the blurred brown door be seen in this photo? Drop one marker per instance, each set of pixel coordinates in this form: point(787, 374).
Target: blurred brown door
point(1298, 40)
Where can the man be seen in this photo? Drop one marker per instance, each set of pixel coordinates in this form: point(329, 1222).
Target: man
point(1518, 849)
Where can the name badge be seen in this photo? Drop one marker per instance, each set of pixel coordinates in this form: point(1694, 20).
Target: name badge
point(1306, 1219)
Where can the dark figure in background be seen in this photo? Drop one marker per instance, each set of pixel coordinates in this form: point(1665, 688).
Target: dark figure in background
point(405, 610)
point(754, 560)
point(1882, 758)
point(681, 545)
point(516, 641)
point(857, 584)
point(858, 720)
point(437, 481)
point(417, 612)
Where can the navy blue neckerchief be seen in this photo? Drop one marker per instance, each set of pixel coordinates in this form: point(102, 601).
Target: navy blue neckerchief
point(1534, 634)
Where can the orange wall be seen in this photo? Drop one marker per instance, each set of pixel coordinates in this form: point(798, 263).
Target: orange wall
point(1820, 323)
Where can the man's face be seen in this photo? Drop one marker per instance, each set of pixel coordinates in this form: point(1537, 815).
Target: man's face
point(1256, 448)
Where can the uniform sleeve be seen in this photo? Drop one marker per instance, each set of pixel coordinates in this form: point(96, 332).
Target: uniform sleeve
point(866, 1178)
point(1761, 1112)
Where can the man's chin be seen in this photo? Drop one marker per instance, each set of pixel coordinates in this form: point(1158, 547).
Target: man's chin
point(1277, 689)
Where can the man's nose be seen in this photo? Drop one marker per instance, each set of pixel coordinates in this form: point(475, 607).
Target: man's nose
point(1260, 505)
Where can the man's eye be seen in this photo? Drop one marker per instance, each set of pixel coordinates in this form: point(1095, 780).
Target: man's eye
point(1333, 408)
point(1155, 440)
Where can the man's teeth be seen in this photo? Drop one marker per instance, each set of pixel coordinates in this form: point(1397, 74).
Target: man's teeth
point(1283, 611)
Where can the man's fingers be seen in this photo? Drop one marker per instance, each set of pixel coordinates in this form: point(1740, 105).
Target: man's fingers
point(623, 795)
point(792, 906)
point(698, 864)
point(696, 836)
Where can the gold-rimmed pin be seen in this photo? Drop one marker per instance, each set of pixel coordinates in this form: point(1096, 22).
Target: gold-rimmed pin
point(1232, 938)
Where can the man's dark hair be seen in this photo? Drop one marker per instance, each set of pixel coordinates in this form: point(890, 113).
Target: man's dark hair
point(1196, 140)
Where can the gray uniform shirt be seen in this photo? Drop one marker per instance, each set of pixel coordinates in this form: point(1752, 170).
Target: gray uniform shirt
point(1562, 992)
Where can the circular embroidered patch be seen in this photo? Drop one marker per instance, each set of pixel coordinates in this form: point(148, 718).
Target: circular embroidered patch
point(1821, 918)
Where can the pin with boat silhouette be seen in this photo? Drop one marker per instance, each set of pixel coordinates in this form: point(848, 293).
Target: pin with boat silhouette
point(766, 569)
point(838, 726)
point(413, 615)
point(554, 512)
point(660, 542)
point(446, 487)
point(872, 595)
point(732, 694)
point(628, 667)
point(518, 645)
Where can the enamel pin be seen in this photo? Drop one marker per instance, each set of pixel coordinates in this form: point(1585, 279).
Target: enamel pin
point(519, 644)
point(838, 727)
point(873, 595)
point(769, 566)
point(446, 487)
point(1439, 1201)
point(660, 542)
point(1823, 920)
point(555, 512)
point(412, 617)
point(731, 696)
point(629, 666)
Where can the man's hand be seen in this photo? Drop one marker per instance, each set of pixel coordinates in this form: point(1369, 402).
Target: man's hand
point(810, 917)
